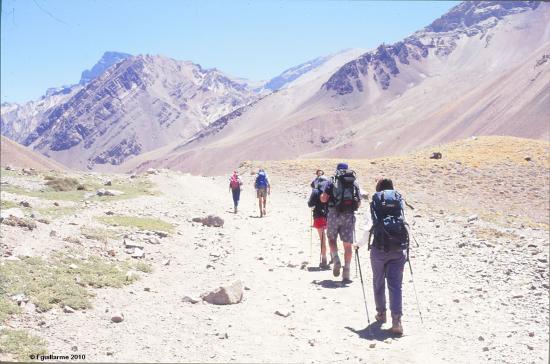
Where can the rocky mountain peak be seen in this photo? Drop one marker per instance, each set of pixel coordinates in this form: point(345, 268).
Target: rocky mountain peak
point(472, 13)
point(469, 18)
point(107, 60)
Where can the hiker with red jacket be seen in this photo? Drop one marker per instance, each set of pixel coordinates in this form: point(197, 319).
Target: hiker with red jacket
point(235, 184)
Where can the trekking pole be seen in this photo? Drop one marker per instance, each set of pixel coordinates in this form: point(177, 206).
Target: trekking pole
point(355, 250)
point(362, 284)
point(311, 238)
point(414, 287)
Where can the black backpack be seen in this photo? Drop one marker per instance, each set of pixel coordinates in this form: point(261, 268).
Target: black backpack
point(345, 194)
point(388, 221)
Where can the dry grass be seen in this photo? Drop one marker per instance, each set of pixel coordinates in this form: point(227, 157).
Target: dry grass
point(20, 344)
point(142, 223)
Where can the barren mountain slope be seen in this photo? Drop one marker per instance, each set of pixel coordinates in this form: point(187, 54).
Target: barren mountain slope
point(137, 105)
point(482, 281)
point(457, 77)
point(16, 155)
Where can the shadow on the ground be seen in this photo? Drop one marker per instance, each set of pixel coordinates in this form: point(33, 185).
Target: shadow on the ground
point(327, 283)
point(373, 332)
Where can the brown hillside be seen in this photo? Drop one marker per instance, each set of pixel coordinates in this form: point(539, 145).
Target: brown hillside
point(16, 155)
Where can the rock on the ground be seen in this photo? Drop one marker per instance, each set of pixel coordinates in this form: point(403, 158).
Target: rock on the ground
point(25, 204)
point(225, 295)
point(18, 221)
point(117, 317)
point(210, 220)
point(282, 313)
point(436, 155)
point(472, 218)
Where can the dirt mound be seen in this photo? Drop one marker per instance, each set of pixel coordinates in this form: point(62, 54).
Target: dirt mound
point(16, 155)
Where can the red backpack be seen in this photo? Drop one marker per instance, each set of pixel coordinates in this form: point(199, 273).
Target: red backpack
point(234, 182)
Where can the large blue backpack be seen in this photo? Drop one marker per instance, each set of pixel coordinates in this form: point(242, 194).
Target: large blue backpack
point(388, 221)
point(261, 180)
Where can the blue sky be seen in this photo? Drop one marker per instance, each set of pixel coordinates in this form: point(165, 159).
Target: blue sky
point(48, 43)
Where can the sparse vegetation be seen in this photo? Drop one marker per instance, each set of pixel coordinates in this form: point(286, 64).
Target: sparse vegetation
point(63, 184)
point(143, 223)
point(7, 307)
point(21, 344)
point(6, 204)
point(61, 280)
point(143, 267)
point(98, 233)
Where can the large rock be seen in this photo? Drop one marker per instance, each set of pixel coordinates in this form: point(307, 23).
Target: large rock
point(225, 295)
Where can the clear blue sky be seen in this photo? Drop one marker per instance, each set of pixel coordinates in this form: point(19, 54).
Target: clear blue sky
point(48, 43)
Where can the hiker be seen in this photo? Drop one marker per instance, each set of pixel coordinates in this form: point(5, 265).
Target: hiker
point(263, 188)
point(343, 195)
point(388, 250)
point(319, 177)
point(319, 215)
point(235, 184)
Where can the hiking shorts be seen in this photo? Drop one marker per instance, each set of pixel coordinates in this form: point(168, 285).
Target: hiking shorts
point(320, 222)
point(340, 223)
point(261, 192)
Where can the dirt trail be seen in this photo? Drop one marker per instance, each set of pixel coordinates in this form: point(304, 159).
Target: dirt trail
point(327, 323)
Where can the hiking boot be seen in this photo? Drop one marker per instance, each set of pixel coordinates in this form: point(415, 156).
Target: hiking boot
point(323, 265)
point(345, 276)
point(381, 317)
point(337, 266)
point(235, 208)
point(396, 327)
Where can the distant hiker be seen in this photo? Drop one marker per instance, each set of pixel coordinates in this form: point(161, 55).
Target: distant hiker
point(344, 197)
point(319, 177)
point(320, 211)
point(388, 250)
point(235, 184)
point(263, 188)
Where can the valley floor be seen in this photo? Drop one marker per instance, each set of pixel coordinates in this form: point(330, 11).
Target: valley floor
point(483, 298)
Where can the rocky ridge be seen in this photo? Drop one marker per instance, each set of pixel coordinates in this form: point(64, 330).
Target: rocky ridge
point(468, 19)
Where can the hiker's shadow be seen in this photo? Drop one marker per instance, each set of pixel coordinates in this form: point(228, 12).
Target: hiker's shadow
point(327, 283)
point(373, 332)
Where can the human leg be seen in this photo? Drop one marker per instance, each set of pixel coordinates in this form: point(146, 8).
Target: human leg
point(377, 260)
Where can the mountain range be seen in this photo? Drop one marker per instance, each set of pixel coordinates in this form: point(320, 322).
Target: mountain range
point(481, 68)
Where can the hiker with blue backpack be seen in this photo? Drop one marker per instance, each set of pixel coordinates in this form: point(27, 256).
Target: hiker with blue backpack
point(343, 195)
point(388, 250)
point(235, 186)
point(263, 189)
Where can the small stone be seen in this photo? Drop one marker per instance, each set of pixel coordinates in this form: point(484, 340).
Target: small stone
point(282, 313)
point(108, 183)
point(56, 203)
point(110, 353)
point(118, 317)
point(138, 253)
point(74, 348)
point(527, 158)
point(485, 348)
point(223, 336)
point(530, 347)
point(25, 204)
point(456, 300)
point(481, 338)
point(166, 262)
point(372, 346)
point(472, 218)
point(147, 289)
point(73, 266)
point(188, 299)
point(111, 252)
point(109, 213)
point(68, 309)
point(531, 334)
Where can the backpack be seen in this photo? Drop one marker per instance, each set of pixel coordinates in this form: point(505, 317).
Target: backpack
point(388, 221)
point(345, 195)
point(234, 182)
point(261, 180)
